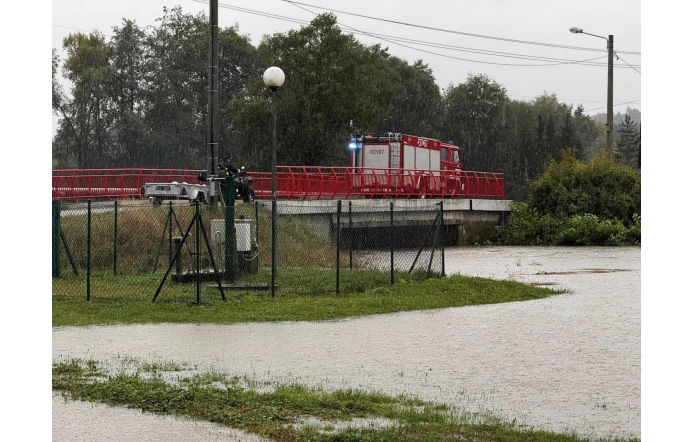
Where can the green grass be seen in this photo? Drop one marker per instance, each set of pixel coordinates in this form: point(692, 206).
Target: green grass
point(280, 414)
point(303, 295)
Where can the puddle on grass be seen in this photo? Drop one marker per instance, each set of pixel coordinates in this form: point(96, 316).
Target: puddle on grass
point(570, 362)
point(83, 421)
point(326, 426)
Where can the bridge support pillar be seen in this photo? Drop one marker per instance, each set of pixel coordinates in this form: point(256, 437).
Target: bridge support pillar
point(461, 235)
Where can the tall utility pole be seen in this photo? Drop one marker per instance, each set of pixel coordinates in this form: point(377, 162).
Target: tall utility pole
point(213, 106)
point(609, 135)
point(609, 106)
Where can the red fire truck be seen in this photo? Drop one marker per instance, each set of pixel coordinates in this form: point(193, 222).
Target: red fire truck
point(400, 151)
point(407, 162)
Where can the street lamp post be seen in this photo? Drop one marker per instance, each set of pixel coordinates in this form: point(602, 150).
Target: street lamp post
point(273, 77)
point(609, 112)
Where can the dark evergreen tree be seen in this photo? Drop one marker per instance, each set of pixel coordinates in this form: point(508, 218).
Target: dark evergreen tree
point(628, 142)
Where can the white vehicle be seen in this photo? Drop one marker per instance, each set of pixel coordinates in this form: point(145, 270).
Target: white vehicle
point(158, 192)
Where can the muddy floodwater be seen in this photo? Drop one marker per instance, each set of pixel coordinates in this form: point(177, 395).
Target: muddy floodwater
point(570, 362)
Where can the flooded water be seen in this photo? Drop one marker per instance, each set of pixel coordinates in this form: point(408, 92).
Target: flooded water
point(81, 421)
point(570, 362)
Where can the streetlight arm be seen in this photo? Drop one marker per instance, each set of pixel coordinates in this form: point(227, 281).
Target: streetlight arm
point(594, 35)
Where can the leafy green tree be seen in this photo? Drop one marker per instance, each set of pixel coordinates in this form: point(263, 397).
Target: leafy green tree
point(59, 152)
point(84, 128)
point(518, 141)
point(239, 63)
point(474, 116)
point(330, 80)
point(127, 92)
point(418, 108)
point(175, 103)
point(588, 134)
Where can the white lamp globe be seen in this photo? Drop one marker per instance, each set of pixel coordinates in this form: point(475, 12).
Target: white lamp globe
point(273, 77)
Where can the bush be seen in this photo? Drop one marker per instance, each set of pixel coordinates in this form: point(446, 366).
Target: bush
point(529, 227)
point(602, 187)
point(577, 204)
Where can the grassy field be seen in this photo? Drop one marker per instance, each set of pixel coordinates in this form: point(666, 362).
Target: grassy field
point(283, 412)
point(303, 295)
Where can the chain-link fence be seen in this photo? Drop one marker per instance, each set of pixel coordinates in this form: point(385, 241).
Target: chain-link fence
point(178, 252)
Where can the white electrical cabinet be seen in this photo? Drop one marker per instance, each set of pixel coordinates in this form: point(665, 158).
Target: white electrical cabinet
point(245, 233)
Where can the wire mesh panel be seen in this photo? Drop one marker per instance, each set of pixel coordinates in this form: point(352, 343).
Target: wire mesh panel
point(70, 280)
point(307, 254)
point(136, 251)
point(401, 237)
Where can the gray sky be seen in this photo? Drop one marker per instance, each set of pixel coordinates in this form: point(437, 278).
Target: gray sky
point(538, 21)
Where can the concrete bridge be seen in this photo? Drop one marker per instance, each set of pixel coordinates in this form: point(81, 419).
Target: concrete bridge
point(464, 219)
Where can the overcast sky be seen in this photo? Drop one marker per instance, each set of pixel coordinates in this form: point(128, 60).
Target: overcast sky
point(531, 21)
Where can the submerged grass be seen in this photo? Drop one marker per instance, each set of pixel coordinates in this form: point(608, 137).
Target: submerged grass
point(301, 297)
point(281, 414)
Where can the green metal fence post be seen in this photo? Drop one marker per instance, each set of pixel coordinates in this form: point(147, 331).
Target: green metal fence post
point(256, 207)
point(441, 232)
point(171, 229)
point(115, 235)
point(197, 252)
point(337, 249)
point(434, 243)
point(56, 239)
point(89, 249)
point(351, 236)
point(391, 241)
point(230, 249)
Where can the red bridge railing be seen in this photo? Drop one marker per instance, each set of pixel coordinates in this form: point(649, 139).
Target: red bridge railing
point(82, 184)
point(293, 182)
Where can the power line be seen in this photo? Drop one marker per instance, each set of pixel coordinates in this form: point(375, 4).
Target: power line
point(458, 32)
point(616, 56)
point(562, 99)
point(618, 104)
point(449, 56)
point(394, 40)
point(74, 29)
point(482, 51)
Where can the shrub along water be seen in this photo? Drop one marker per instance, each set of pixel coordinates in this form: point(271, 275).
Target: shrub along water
point(573, 203)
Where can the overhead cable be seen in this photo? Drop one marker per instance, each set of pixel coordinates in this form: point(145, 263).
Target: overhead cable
point(456, 32)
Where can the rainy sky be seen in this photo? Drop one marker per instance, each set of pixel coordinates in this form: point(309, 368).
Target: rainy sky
point(525, 45)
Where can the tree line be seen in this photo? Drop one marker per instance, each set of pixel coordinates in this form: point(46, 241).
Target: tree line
point(139, 100)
